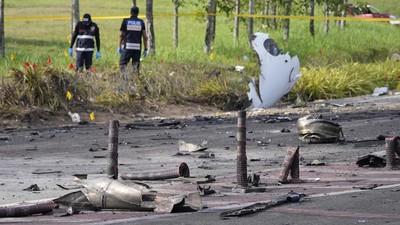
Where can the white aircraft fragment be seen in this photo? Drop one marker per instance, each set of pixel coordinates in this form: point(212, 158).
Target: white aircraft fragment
point(279, 72)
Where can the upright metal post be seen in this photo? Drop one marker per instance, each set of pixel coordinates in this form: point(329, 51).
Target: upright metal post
point(295, 168)
point(391, 148)
point(287, 165)
point(241, 150)
point(112, 167)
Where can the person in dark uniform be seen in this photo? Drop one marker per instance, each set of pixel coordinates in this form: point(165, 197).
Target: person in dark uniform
point(132, 32)
point(85, 34)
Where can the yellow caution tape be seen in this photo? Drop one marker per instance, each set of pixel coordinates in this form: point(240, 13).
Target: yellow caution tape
point(204, 14)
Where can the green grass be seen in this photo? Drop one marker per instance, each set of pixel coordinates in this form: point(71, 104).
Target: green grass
point(327, 57)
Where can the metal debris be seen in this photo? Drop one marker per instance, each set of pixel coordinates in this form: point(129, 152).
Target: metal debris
point(291, 197)
point(190, 147)
point(380, 91)
point(279, 72)
point(181, 171)
point(253, 179)
point(33, 187)
point(316, 162)
point(111, 194)
point(318, 130)
point(391, 148)
point(290, 164)
point(376, 159)
point(152, 125)
point(27, 209)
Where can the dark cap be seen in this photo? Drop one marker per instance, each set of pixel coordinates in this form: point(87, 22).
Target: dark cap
point(87, 18)
point(134, 10)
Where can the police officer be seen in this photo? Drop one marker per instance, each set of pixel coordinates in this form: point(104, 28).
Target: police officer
point(132, 32)
point(85, 34)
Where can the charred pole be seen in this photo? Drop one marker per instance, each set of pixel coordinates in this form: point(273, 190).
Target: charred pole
point(241, 150)
point(112, 166)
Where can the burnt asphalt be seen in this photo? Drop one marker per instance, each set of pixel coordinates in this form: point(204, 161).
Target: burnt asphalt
point(337, 192)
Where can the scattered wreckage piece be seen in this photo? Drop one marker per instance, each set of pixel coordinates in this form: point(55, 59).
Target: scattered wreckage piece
point(380, 91)
point(290, 164)
point(181, 171)
point(190, 147)
point(279, 72)
point(318, 130)
point(205, 180)
point(391, 145)
point(375, 159)
point(291, 197)
point(386, 158)
point(27, 210)
point(111, 194)
point(153, 125)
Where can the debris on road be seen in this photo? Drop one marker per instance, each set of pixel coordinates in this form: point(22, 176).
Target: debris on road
point(291, 197)
point(33, 187)
point(206, 179)
point(316, 162)
point(190, 147)
point(181, 171)
point(111, 194)
point(318, 130)
point(27, 209)
point(279, 72)
point(290, 164)
point(150, 125)
point(391, 145)
point(386, 158)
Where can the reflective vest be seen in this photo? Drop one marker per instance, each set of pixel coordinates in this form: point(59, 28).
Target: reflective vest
point(85, 35)
point(133, 28)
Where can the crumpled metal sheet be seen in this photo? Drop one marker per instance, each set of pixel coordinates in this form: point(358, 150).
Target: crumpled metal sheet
point(279, 72)
point(317, 130)
point(375, 159)
point(190, 147)
point(111, 194)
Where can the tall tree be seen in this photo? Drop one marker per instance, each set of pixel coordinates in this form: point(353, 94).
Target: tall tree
point(326, 14)
point(237, 19)
point(176, 23)
point(286, 24)
point(272, 11)
point(210, 28)
point(150, 27)
point(74, 14)
point(250, 23)
point(2, 41)
point(133, 2)
point(342, 23)
point(312, 10)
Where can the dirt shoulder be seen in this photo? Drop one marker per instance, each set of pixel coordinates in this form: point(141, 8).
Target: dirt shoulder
point(41, 117)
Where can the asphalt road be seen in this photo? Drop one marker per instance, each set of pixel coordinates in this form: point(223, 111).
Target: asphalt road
point(49, 156)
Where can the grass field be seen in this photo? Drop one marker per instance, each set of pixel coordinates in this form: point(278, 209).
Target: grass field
point(30, 39)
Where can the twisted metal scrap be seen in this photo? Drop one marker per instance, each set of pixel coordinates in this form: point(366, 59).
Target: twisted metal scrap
point(317, 130)
point(111, 194)
point(291, 197)
point(27, 210)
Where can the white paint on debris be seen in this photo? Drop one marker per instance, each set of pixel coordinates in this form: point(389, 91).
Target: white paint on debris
point(279, 72)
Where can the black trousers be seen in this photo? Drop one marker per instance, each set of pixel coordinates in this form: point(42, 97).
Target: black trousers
point(128, 55)
point(84, 58)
